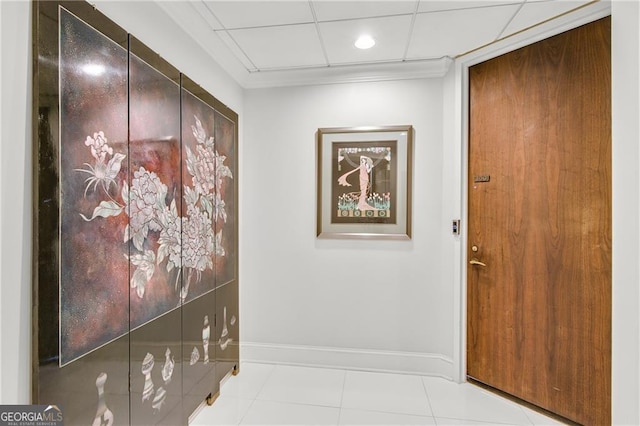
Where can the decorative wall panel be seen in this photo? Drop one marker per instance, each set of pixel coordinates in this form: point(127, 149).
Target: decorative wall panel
point(226, 220)
point(135, 227)
point(202, 182)
point(153, 239)
point(199, 351)
point(227, 331)
point(94, 300)
point(154, 192)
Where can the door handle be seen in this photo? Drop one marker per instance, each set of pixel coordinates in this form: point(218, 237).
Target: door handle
point(477, 262)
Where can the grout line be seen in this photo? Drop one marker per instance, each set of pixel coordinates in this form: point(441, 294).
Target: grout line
point(344, 385)
point(475, 421)
point(345, 372)
point(246, 412)
point(300, 404)
point(424, 386)
point(257, 393)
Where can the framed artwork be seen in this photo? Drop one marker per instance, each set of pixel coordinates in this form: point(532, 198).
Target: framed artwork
point(364, 182)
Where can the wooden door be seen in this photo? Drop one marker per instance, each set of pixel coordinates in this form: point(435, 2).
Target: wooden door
point(539, 312)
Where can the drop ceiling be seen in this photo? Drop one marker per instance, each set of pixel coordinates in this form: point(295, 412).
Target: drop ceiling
point(262, 43)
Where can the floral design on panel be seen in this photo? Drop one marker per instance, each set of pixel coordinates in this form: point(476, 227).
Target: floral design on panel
point(187, 243)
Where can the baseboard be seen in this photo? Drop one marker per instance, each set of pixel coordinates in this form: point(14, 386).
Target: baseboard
point(424, 364)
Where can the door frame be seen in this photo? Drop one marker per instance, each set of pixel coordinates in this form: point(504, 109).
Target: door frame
point(458, 80)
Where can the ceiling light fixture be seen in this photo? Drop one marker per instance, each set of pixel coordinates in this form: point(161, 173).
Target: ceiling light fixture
point(365, 42)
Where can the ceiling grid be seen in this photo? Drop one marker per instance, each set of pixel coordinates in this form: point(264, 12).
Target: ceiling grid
point(269, 37)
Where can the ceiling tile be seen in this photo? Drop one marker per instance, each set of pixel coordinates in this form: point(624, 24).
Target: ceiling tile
point(391, 35)
point(451, 33)
point(442, 5)
point(280, 35)
point(247, 14)
point(281, 47)
point(534, 12)
point(338, 10)
point(236, 50)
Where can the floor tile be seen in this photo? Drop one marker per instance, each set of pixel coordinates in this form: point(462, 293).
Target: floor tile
point(391, 393)
point(226, 410)
point(539, 419)
point(302, 385)
point(264, 394)
point(361, 417)
point(249, 382)
point(459, 422)
point(468, 402)
point(280, 413)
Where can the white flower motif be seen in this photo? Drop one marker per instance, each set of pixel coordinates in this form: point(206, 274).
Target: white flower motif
point(197, 240)
point(222, 171)
point(145, 263)
point(101, 172)
point(184, 242)
point(99, 146)
point(219, 208)
point(170, 239)
point(201, 167)
point(146, 202)
point(200, 134)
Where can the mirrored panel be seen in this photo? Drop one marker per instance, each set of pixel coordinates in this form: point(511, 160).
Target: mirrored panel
point(154, 238)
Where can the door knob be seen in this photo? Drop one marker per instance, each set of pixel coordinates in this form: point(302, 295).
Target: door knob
point(475, 261)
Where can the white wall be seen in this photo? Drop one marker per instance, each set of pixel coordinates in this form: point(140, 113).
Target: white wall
point(148, 23)
point(15, 224)
point(625, 58)
point(453, 202)
point(341, 302)
point(2, 191)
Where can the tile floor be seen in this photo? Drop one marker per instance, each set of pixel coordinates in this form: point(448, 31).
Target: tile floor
point(264, 394)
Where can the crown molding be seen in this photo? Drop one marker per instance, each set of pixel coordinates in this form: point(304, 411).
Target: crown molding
point(408, 70)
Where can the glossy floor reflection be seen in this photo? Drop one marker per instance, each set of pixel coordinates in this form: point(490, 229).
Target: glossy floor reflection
point(264, 394)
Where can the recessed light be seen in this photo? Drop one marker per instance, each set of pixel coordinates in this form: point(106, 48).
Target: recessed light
point(365, 42)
